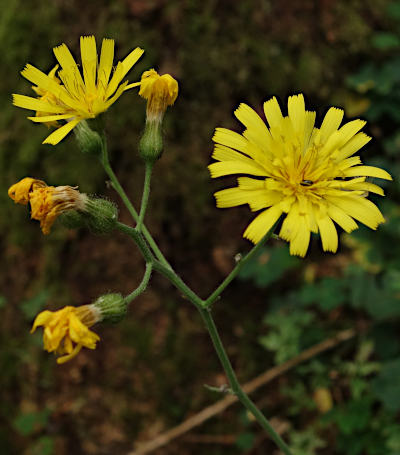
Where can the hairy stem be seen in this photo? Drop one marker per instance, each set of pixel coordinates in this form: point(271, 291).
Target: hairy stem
point(234, 383)
point(203, 306)
point(138, 239)
point(213, 297)
point(131, 209)
point(143, 285)
point(145, 196)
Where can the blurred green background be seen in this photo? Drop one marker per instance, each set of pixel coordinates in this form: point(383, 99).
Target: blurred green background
point(148, 373)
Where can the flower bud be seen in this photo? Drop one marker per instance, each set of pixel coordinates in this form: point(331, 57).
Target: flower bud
point(112, 307)
point(89, 141)
point(100, 215)
point(160, 92)
point(72, 219)
point(151, 143)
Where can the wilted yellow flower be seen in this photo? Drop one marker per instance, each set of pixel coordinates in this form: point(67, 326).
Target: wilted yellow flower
point(20, 192)
point(47, 202)
point(159, 91)
point(78, 96)
point(307, 173)
point(66, 331)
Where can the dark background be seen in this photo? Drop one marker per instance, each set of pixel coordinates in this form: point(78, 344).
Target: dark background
point(148, 373)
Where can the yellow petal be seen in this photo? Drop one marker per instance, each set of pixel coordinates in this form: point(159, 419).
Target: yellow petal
point(262, 224)
point(59, 134)
point(74, 353)
point(297, 112)
point(231, 139)
point(340, 217)
point(257, 131)
point(328, 234)
point(67, 62)
point(300, 242)
point(235, 167)
point(353, 145)
point(41, 319)
point(369, 171)
point(331, 122)
point(247, 183)
point(366, 186)
point(34, 104)
point(223, 153)
point(89, 61)
point(42, 80)
point(122, 69)
point(273, 112)
point(359, 208)
point(106, 62)
point(50, 118)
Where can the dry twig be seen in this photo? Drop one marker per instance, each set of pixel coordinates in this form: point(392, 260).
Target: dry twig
point(211, 411)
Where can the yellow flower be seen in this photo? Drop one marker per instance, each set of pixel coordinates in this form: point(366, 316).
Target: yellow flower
point(66, 331)
point(47, 202)
point(159, 91)
point(78, 96)
point(307, 173)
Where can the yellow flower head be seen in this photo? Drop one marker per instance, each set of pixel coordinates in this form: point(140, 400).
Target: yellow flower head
point(159, 91)
point(47, 202)
point(307, 173)
point(66, 331)
point(78, 96)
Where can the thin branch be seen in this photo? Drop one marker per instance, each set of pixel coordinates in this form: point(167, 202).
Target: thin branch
point(251, 386)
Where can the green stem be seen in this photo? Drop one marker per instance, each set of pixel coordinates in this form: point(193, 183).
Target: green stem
point(179, 284)
point(145, 196)
point(234, 383)
point(213, 297)
point(162, 266)
point(118, 188)
point(138, 239)
point(142, 286)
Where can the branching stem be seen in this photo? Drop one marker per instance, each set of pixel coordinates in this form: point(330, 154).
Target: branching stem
point(160, 264)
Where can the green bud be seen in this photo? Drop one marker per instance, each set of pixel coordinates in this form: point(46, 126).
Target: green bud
point(112, 307)
point(151, 143)
point(89, 141)
point(101, 215)
point(72, 219)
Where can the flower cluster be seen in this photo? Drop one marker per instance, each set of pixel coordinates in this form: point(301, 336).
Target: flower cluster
point(67, 96)
point(70, 95)
point(292, 168)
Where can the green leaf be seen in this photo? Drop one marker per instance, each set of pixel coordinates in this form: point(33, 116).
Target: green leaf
point(29, 422)
point(33, 306)
point(269, 265)
point(328, 293)
point(43, 446)
point(245, 441)
point(385, 41)
point(387, 385)
point(393, 10)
